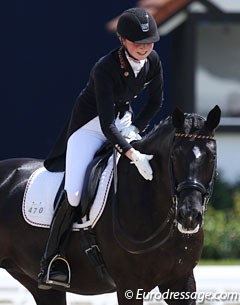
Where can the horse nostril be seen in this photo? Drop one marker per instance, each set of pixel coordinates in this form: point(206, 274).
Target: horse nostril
point(190, 214)
point(181, 213)
point(195, 213)
point(199, 217)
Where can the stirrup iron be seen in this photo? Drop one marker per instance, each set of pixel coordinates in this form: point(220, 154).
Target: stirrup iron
point(50, 281)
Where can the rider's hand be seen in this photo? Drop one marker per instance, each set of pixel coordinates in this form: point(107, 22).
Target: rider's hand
point(130, 132)
point(142, 163)
point(124, 122)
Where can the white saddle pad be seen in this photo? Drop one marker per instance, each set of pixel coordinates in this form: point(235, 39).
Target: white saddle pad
point(41, 191)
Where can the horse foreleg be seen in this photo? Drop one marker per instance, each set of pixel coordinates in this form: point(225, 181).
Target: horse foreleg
point(41, 297)
point(180, 292)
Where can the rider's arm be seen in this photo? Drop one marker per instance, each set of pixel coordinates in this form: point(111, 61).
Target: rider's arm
point(104, 85)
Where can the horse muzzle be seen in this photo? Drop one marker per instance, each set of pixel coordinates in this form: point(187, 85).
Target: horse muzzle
point(189, 218)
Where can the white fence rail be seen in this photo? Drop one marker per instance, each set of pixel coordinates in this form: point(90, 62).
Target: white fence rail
point(219, 285)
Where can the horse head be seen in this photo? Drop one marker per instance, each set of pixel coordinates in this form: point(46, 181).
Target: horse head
point(193, 166)
point(184, 170)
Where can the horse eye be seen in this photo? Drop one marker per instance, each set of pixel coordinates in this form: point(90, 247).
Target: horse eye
point(178, 150)
point(212, 157)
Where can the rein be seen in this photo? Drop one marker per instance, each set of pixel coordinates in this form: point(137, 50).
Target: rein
point(116, 222)
point(137, 242)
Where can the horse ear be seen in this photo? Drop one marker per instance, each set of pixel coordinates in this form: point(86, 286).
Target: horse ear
point(178, 118)
point(213, 118)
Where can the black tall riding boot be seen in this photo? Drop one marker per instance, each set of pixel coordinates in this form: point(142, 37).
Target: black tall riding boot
point(54, 268)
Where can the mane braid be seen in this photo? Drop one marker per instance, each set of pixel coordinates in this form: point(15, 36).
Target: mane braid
point(196, 115)
point(158, 127)
point(193, 122)
point(161, 133)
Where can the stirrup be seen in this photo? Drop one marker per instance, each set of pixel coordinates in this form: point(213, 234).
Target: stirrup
point(50, 281)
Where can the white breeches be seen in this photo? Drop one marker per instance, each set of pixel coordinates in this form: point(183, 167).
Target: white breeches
point(81, 148)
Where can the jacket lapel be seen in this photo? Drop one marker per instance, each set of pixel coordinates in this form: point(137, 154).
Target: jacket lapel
point(127, 71)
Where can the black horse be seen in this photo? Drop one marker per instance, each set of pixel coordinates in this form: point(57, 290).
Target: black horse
point(150, 233)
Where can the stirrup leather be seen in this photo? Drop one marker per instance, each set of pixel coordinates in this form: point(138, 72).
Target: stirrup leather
point(55, 282)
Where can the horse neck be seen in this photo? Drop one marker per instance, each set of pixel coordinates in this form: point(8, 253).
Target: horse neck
point(142, 205)
point(159, 190)
point(158, 142)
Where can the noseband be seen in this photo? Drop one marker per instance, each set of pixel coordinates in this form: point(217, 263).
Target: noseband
point(206, 192)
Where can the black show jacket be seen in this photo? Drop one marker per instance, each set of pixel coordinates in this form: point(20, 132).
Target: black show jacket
point(112, 86)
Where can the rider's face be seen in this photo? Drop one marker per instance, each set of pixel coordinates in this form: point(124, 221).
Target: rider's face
point(138, 50)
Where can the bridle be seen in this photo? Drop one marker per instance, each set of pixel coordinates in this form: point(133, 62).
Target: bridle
point(177, 188)
point(171, 216)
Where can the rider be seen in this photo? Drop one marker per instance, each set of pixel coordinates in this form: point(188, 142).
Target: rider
point(102, 112)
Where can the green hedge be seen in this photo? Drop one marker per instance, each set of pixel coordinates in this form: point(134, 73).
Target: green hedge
point(222, 235)
point(224, 194)
point(222, 223)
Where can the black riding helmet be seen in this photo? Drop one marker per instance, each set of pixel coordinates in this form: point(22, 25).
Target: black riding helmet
point(137, 25)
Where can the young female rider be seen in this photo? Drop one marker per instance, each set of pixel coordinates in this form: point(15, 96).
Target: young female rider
point(102, 112)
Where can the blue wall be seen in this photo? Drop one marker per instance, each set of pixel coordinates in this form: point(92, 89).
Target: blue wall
point(47, 51)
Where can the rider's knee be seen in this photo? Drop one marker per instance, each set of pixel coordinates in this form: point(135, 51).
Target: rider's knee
point(73, 197)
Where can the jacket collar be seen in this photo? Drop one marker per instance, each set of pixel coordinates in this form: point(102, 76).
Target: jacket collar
point(126, 69)
point(136, 65)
